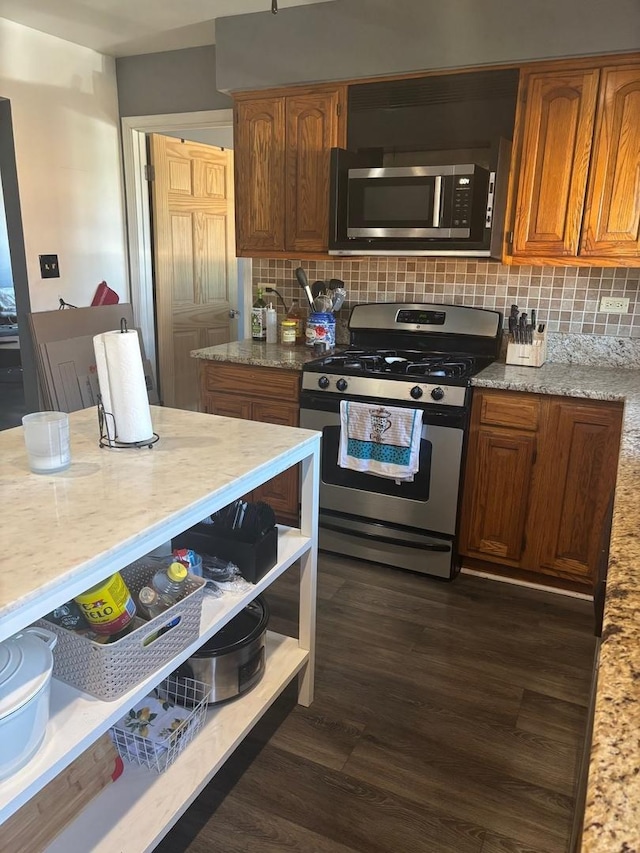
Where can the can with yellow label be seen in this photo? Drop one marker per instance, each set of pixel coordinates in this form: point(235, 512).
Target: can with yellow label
point(108, 606)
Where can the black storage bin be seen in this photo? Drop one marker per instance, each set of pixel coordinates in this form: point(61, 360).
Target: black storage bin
point(254, 559)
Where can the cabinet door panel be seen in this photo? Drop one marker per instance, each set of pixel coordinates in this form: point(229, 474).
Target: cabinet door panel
point(260, 174)
point(499, 475)
point(228, 406)
point(577, 479)
point(312, 129)
point(612, 215)
point(557, 135)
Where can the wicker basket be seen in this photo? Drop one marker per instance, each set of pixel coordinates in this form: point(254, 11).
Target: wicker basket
point(109, 670)
point(159, 754)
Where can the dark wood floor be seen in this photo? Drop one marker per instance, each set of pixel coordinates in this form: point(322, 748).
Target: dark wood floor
point(448, 719)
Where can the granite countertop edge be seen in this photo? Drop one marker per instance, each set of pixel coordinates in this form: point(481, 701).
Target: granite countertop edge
point(612, 818)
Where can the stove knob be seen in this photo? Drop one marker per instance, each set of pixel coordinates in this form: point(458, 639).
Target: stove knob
point(416, 392)
point(323, 382)
point(437, 393)
point(341, 384)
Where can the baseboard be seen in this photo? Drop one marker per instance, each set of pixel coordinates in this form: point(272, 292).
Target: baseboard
point(557, 590)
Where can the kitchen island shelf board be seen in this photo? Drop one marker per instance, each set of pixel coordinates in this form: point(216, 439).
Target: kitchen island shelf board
point(153, 803)
point(193, 444)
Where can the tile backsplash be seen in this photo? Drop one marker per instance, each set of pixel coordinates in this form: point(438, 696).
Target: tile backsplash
point(567, 298)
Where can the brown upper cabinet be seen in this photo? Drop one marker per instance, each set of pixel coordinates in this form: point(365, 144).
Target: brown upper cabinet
point(576, 183)
point(282, 149)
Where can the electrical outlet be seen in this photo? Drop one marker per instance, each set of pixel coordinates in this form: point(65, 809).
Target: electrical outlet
point(614, 305)
point(49, 266)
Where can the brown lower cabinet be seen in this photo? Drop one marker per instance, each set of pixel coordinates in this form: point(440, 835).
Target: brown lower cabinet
point(266, 394)
point(540, 475)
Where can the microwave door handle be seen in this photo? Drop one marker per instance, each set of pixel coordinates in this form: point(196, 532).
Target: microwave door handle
point(437, 201)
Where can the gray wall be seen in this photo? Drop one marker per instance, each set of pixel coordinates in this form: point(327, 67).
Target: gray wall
point(221, 137)
point(175, 81)
point(359, 38)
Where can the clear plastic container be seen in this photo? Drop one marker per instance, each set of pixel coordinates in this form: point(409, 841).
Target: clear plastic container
point(170, 583)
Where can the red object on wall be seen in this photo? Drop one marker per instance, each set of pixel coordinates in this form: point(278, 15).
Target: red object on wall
point(104, 295)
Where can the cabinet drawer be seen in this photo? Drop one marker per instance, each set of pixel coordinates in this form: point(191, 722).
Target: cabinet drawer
point(270, 382)
point(509, 409)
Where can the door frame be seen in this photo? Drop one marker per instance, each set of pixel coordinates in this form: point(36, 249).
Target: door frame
point(139, 229)
point(17, 252)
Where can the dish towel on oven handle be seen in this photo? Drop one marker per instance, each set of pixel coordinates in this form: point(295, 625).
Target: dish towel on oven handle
point(380, 440)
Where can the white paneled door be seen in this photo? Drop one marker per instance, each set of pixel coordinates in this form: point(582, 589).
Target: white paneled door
point(195, 272)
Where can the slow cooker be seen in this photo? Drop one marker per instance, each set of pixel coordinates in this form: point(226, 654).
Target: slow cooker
point(233, 660)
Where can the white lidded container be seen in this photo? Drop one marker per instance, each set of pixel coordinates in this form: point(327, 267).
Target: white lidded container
point(26, 664)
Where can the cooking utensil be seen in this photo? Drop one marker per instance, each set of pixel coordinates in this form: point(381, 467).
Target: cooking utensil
point(233, 660)
point(303, 281)
point(322, 304)
point(317, 288)
point(26, 664)
point(339, 295)
point(335, 283)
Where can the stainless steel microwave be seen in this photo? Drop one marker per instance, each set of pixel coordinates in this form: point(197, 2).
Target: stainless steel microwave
point(455, 209)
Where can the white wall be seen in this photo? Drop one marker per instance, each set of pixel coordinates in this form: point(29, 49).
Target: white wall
point(66, 130)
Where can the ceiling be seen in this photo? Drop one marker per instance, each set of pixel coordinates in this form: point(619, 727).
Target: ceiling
point(129, 27)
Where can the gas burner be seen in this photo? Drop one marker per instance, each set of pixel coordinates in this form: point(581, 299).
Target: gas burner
point(399, 363)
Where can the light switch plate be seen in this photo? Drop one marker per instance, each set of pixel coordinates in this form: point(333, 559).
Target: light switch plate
point(49, 266)
point(614, 305)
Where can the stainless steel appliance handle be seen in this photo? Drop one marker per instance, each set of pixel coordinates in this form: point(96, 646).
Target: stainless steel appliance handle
point(437, 197)
point(388, 540)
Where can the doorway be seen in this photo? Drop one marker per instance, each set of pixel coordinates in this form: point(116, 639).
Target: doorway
point(207, 127)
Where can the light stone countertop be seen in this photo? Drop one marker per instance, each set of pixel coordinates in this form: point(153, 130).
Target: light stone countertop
point(64, 528)
point(612, 818)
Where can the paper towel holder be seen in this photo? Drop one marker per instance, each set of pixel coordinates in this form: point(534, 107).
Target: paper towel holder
point(105, 441)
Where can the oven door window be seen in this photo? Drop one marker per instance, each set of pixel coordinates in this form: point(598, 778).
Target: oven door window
point(333, 474)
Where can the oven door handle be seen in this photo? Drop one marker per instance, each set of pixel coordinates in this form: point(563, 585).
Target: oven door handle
point(387, 540)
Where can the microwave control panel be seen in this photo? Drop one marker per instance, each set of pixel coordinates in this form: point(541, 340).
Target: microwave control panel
point(462, 193)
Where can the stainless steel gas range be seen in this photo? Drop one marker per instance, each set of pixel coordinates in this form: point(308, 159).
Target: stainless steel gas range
point(420, 356)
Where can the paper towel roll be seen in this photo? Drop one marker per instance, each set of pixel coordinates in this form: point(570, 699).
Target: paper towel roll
point(122, 383)
point(103, 382)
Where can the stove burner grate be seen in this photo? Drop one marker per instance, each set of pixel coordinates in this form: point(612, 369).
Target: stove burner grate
point(401, 363)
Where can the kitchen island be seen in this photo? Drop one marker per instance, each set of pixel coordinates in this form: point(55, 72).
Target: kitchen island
point(612, 817)
point(70, 530)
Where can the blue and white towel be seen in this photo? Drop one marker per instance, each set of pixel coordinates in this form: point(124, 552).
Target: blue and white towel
point(381, 440)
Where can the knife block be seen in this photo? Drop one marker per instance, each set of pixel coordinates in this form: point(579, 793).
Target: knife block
point(529, 355)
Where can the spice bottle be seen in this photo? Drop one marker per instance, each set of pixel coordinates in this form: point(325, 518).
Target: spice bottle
point(259, 318)
point(296, 313)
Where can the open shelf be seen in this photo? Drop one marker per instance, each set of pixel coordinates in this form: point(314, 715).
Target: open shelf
point(135, 812)
point(77, 719)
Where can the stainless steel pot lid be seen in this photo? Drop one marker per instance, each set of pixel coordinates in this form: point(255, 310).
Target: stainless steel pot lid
point(243, 629)
point(25, 665)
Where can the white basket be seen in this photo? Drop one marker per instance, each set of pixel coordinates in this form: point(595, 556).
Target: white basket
point(109, 670)
point(159, 754)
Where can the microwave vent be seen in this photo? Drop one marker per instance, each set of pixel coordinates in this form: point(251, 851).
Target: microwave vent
point(436, 89)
